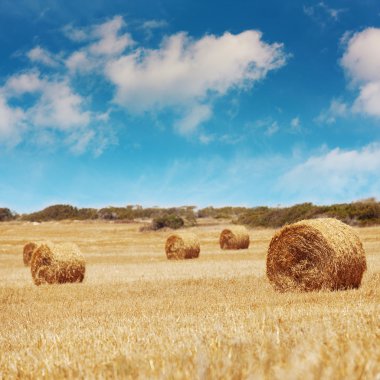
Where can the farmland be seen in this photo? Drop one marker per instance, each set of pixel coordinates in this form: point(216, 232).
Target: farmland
point(138, 315)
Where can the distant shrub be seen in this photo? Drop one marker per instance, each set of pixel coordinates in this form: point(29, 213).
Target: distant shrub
point(55, 212)
point(169, 220)
point(6, 214)
point(87, 214)
point(362, 213)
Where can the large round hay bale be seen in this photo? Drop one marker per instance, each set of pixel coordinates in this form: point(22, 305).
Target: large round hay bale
point(315, 255)
point(236, 237)
point(28, 250)
point(57, 264)
point(182, 246)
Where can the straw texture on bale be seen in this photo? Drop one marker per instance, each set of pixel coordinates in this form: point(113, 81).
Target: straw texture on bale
point(182, 246)
point(234, 238)
point(316, 254)
point(29, 248)
point(57, 264)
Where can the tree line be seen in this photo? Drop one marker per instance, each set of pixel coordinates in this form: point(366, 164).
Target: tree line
point(360, 213)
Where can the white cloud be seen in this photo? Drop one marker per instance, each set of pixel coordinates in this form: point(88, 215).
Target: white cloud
point(268, 125)
point(368, 101)
point(195, 116)
point(182, 73)
point(335, 174)
point(295, 123)
point(75, 34)
point(185, 71)
point(52, 106)
point(110, 42)
point(27, 82)
point(151, 25)
point(319, 12)
point(79, 61)
point(11, 122)
point(361, 59)
point(154, 24)
point(79, 141)
point(43, 56)
point(102, 42)
point(337, 109)
point(59, 107)
point(56, 104)
point(361, 62)
point(272, 129)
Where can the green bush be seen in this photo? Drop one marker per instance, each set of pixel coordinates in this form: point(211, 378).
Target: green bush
point(362, 213)
point(171, 221)
point(6, 214)
point(55, 212)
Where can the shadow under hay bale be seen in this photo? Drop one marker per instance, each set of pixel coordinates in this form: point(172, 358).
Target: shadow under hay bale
point(234, 238)
point(182, 246)
point(318, 254)
point(57, 264)
point(28, 250)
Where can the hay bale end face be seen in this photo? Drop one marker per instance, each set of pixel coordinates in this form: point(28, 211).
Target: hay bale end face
point(182, 246)
point(318, 254)
point(234, 238)
point(28, 250)
point(57, 264)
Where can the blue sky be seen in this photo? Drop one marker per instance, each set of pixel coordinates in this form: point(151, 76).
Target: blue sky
point(188, 102)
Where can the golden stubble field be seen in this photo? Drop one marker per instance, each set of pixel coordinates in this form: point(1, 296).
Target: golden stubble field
point(138, 315)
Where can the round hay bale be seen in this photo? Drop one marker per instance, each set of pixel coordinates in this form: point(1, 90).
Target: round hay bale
point(234, 238)
point(57, 264)
point(182, 246)
point(316, 254)
point(29, 248)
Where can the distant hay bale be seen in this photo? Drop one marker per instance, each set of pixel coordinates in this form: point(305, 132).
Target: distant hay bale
point(236, 237)
point(315, 255)
point(57, 264)
point(182, 246)
point(28, 252)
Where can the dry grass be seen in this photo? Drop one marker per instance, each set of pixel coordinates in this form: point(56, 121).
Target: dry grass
point(138, 315)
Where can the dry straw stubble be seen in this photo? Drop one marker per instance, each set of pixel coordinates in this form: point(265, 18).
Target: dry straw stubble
point(57, 264)
point(316, 254)
point(28, 250)
point(236, 237)
point(182, 246)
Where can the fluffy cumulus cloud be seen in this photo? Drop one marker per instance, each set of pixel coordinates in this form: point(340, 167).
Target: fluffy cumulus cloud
point(335, 174)
point(183, 70)
point(336, 110)
point(182, 75)
point(195, 116)
point(102, 42)
point(52, 106)
point(56, 104)
point(110, 42)
point(59, 107)
point(24, 83)
point(40, 55)
point(11, 122)
point(361, 62)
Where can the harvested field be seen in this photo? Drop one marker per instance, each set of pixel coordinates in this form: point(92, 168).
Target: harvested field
point(139, 315)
